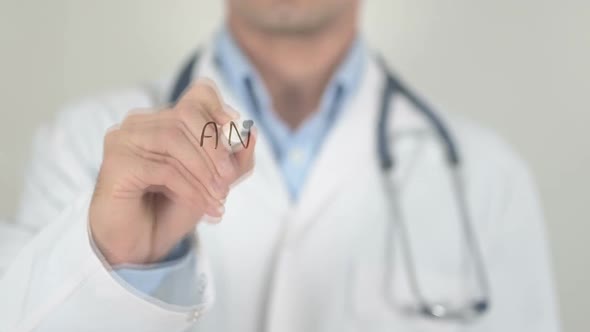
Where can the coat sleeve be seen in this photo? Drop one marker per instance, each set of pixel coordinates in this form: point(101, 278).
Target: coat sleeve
point(518, 259)
point(52, 278)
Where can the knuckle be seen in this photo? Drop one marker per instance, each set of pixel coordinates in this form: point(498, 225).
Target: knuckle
point(201, 98)
point(195, 196)
point(134, 115)
point(211, 180)
point(199, 89)
point(136, 135)
point(146, 171)
point(111, 137)
point(222, 185)
point(229, 175)
point(172, 133)
point(156, 172)
point(206, 87)
point(185, 112)
point(114, 141)
point(175, 166)
point(111, 159)
point(167, 172)
point(206, 95)
point(179, 124)
point(206, 105)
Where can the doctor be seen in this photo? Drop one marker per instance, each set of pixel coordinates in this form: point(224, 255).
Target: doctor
point(349, 220)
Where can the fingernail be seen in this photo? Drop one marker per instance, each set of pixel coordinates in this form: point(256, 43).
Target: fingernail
point(211, 220)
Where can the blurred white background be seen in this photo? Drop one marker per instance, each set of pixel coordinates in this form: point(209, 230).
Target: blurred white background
point(520, 67)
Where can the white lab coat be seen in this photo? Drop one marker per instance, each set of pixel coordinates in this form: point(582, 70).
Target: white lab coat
point(329, 246)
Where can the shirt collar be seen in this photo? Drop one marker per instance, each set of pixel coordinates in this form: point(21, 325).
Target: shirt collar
point(236, 68)
point(231, 61)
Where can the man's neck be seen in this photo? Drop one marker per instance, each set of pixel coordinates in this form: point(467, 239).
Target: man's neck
point(296, 68)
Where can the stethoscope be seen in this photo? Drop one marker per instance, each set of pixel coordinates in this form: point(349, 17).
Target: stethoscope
point(470, 309)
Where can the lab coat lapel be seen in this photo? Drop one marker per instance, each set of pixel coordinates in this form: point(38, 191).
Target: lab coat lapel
point(345, 153)
point(350, 149)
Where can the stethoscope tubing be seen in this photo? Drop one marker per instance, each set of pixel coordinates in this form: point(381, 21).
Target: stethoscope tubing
point(393, 86)
point(476, 307)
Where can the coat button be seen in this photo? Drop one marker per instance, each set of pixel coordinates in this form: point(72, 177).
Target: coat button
point(202, 283)
point(193, 316)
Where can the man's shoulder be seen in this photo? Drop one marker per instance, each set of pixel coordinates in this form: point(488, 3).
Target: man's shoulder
point(110, 107)
point(484, 148)
point(81, 124)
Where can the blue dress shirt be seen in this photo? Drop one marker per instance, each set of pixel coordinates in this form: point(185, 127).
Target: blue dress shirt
point(294, 150)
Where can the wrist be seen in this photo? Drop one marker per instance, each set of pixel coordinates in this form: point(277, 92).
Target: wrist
point(119, 244)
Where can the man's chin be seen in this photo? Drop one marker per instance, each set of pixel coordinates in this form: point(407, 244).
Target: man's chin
point(291, 23)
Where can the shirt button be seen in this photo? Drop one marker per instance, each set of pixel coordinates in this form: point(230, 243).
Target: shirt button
point(296, 155)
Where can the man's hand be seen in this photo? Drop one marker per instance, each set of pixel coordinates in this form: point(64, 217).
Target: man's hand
point(157, 181)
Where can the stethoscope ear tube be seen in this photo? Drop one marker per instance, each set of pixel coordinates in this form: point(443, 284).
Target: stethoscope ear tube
point(184, 78)
point(392, 86)
point(383, 146)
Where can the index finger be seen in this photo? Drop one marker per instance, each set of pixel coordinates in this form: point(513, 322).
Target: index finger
point(204, 95)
